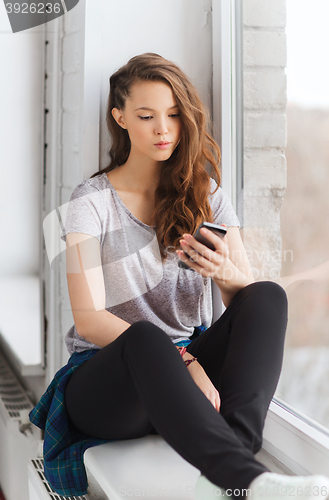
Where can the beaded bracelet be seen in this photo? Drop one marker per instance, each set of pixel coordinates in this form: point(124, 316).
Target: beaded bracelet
point(189, 361)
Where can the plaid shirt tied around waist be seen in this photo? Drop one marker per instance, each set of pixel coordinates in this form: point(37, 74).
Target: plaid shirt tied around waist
point(64, 446)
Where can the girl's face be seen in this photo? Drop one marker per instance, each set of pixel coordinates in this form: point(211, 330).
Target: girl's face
point(151, 117)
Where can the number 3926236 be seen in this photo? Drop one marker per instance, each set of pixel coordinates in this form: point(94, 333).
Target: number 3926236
point(33, 8)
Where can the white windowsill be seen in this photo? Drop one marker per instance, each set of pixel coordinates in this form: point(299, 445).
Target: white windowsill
point(298, 442)
point(20, 323)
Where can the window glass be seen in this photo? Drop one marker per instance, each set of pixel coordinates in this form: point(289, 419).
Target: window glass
point(282, 181)
point(304, 212)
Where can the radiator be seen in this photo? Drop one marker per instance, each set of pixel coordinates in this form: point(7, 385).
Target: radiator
point(21, 475)
point(19, 440)
point(39, 488)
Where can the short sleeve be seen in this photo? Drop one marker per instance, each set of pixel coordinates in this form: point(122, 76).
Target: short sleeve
point(85, 212)
point(223, 212)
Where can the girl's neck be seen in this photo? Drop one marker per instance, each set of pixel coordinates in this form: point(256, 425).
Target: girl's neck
point(138, 174)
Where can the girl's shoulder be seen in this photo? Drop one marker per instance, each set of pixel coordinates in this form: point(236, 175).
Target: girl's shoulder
point(213, 184)
point(219, 195)
point(90, 186)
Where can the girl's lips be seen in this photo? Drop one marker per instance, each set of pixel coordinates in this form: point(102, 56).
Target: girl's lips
point(164, 145)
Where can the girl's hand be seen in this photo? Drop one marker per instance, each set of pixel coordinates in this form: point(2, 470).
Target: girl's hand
point(208, 263)
point(204, 383)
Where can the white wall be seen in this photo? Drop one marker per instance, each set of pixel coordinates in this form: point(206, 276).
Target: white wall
point(179, 30)
point(21, 119)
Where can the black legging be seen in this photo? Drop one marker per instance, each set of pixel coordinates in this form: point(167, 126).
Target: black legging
point(139, 385)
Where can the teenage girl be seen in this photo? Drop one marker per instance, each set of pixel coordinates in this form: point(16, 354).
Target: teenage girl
point(205, 390)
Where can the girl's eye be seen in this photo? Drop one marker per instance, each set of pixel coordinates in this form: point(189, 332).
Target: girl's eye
point(176, 115)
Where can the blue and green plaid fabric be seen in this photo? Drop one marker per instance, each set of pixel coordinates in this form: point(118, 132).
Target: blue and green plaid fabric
point(197, 331)
point(200, 329)
point(63, 446)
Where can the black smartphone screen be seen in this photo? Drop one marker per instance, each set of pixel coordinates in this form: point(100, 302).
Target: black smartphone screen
point(217, 229)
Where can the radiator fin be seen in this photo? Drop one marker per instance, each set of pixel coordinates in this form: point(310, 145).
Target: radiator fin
point(12, 394)
point(38, 465)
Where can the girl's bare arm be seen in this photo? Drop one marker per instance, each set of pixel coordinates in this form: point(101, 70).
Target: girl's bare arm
point(87, 291)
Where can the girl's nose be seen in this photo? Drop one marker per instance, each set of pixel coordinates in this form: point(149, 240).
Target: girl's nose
point(161, 128)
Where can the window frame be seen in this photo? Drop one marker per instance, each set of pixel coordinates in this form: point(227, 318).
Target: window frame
point(301, 444)
point(17, 335)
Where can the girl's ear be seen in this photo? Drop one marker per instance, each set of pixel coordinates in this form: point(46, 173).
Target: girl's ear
point(119, 118)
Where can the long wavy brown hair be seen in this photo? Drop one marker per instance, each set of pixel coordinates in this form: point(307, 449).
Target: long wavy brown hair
point(181, 199)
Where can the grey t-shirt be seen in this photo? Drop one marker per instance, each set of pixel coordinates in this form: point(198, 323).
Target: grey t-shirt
point(138, 286)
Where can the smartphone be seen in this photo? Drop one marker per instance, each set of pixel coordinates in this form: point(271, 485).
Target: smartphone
point(215, 228)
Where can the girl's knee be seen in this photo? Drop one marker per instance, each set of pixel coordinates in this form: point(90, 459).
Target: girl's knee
point(145, 332)
point(268, 290)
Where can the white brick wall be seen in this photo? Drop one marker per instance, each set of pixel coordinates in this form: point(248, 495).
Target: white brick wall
point(265, 129)
point(264, 48)
point(265, 173)
point(72, 80)
point(70, 166)
point(265, 13)
point(264, 60)
point(264, 88)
